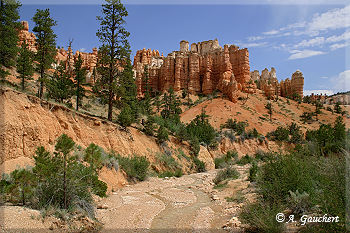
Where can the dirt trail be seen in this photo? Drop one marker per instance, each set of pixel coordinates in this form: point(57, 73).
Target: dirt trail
point(179, 204)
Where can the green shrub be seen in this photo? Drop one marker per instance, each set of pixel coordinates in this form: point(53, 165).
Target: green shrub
point(135, 167)
point(162, 134)
point(93, 155)
point(200, 165)
point(168, 162)
point(195, 146)
point(306, 117)
point(226, 160)
point(261, 217)
point(201, 129)
point(253, 170)
point(225, 174)
point(263, 156)
point(149, 126)
point(245, 160)
point(299, 203)
point(126, 116)
point(238, 127)
point(280, 134)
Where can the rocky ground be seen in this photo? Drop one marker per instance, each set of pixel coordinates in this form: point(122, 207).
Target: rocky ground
point(182, 204)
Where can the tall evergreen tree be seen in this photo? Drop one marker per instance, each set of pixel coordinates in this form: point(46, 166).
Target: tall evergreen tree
point(8, 34)
point(45, 43)
point(268, 106)
point(127, 90)
point(80, 80)
point(113, 35)
point(171, 105)
point(60, 86)
point(25, 66)
point(147, 99)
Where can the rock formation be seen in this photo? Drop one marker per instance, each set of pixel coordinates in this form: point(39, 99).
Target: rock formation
point(89, 59)
point(268, 83)
point(202, 69)
point(28, 37)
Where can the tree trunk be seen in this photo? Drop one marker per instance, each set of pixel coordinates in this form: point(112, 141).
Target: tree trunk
point(78, 85)
point(64, 183)
point(41, 89)
point(110, 101)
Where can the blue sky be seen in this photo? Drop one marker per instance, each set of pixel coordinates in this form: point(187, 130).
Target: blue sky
point(313, 38)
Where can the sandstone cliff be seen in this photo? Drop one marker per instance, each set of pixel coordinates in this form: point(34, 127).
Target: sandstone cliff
point(268, 83)
point(202, 69)
point(89, 59)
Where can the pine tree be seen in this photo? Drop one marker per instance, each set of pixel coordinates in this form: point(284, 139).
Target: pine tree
point(147, 100)
point(162, 134)
point(318, 108)
point(59, 87)
point(80, 80)
point(64, 147)
point(125, 118)
point(337, 108)
point(113, 35)
point(268, 106)
point(45, 43)
point(25, 66)
point(171, 105)
point(127, 91)
point(9, 27)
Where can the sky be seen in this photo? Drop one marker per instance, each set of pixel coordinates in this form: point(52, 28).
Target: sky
point(313, 38)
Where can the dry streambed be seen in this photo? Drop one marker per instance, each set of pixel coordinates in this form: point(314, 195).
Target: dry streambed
point(185, 203)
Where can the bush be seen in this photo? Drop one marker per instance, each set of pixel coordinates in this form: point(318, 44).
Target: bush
point(93, 155)
point(126, 117)
point(225, 174)
point(245, 160)
point(261, 217)
point(238, 127)
point(135, 167)
point(162, 135)
point(149, 126)
point(225, 160)
point(299, 203)
point(253, 172)
point(200, 165)
point(263, 156)
point(306, 117)
point(280, 134)
point(168, 162)
point(201, 129)
point(329, 109)
point(195, 146)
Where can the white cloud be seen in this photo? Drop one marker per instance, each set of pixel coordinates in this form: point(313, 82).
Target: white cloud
point(344, 36)
point(311, 43)
point(251, 45)
point(339, 45)
point(341, 82)
point(333, 19)
point(324, 77)
point(299, 54)
point(254, 38)
point(318, 92)
point(272, 32)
